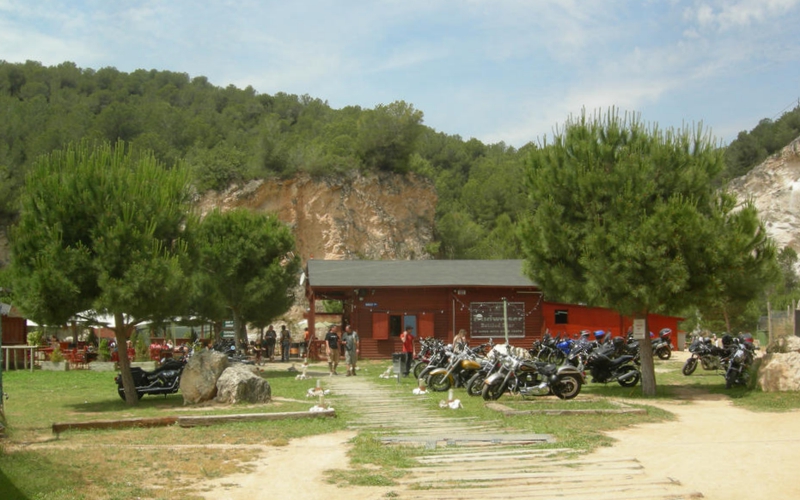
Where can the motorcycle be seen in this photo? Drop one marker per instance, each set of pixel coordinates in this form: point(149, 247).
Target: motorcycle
point(532, 378)
point(621, 369)
point(461, 367)
point(740, 361)
point(661, 345)
point(163, 380)
point(706, 354)
point(428, 347)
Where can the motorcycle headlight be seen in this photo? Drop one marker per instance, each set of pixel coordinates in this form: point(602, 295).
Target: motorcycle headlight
point(739, 356)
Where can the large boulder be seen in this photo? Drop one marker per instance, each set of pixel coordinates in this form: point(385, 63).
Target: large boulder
point(780, 372)
point(199, 377)
point(241, 383)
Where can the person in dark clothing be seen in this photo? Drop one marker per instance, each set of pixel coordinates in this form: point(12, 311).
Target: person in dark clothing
point(332, 349)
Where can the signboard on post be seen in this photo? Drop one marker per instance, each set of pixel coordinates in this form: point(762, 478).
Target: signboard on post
point(487, 319)
point(639, 329)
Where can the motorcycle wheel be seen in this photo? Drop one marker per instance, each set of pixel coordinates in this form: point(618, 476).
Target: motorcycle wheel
point(419, 366)
point(492, 392)
point(567, 387)
point(664, 353)
point(475, 384)
point(439, 382)
point(630, 382)
point(690, 366)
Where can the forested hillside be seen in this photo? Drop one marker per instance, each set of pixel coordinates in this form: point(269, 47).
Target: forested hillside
point(229, 135)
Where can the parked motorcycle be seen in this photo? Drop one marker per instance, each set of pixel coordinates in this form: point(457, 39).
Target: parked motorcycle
point(428, 347)
point(741, 359)
point(706, 354)
point(620, 369)
point(163, 380)
point(661, 345)
point(532, 378)
point(461, 367)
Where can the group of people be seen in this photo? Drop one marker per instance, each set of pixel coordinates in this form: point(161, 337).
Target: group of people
point(266, 343)
point(352, 347)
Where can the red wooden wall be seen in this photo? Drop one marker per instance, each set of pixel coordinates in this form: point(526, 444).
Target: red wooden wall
point(597, 318)
point(439, 313)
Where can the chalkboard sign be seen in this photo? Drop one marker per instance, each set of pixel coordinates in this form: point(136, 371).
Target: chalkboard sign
point(486, 320)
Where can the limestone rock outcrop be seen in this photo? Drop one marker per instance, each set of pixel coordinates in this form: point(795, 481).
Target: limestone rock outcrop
point(353, 216)
point(774, 187)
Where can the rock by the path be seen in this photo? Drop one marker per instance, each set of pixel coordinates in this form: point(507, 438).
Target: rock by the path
point(780, 372)
point(199, 377)
point(241, 383)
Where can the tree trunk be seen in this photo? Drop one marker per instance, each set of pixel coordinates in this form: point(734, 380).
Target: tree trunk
point(237, 327)
point(122, 334)
point(646, 355)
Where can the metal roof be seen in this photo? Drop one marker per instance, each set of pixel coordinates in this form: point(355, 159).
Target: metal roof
point(416, 273)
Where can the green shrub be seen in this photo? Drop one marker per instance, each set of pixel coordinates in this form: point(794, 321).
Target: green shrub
point(57, 356)
point(103, 350)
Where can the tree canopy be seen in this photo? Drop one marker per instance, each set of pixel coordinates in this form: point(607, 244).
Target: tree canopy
point(101, 227)
point(247, 264)
point(625, 216)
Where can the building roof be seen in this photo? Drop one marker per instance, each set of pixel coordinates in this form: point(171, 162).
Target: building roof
point(416, 273)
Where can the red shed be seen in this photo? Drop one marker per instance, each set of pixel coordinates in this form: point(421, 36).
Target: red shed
point(439, 297)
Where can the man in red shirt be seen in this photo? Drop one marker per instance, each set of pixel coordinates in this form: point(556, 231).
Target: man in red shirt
point(409, 351)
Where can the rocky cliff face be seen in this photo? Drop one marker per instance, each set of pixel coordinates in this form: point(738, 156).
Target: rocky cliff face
point(351, 217)
point(774, 187)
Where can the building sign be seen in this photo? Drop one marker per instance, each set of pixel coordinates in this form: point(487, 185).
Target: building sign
point(486, 320)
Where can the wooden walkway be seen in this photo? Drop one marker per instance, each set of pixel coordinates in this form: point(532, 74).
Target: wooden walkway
point(466, 458)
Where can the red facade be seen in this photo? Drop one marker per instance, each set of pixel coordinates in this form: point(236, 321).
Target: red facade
point(380, 314)
point(570, 320)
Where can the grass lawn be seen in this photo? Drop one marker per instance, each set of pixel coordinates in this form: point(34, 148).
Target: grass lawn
point(161, 462)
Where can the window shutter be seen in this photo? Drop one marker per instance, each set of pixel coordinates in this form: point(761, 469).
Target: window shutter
point(425, 325)
point(380, 326)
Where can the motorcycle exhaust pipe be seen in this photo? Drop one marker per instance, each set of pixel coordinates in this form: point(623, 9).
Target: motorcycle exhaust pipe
point(627, 375)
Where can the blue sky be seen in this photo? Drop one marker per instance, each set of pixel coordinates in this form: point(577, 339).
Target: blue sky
point(496, 70)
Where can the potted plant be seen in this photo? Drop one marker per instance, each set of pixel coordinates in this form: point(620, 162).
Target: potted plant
point(103, 363)
point(57, 362)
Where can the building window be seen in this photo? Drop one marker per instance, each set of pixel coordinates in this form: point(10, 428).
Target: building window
point(561, 317)
point(395, 325)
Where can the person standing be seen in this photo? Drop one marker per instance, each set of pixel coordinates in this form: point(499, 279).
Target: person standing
point(271, 338)
point(286, 343)
point(409, 351)
point(352, 346)
point(307, 340)
point(332, 349)
point(460, 341)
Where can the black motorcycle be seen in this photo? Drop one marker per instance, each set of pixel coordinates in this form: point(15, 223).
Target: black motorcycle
point(532, 378)
point(620, 369)
point(740, 361)
point(661, 345)
point(705, 354)
point(163, 380)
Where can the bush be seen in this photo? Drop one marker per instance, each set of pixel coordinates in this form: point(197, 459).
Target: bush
point(103, 351)
point(57, 356)
point(37, 338)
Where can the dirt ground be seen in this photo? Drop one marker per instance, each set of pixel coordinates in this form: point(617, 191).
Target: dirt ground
point(713, 447)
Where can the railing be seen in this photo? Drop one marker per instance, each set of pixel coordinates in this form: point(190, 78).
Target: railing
point(9, 349)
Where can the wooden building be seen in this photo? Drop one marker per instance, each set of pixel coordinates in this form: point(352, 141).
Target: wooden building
point(439, 297)
point(15, 328)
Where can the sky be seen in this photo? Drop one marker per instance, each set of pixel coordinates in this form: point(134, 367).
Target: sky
point(497, 70)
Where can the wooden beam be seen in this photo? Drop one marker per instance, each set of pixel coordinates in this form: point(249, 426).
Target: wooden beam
point(115, 424)
point(188, 421)
point(251, 417)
